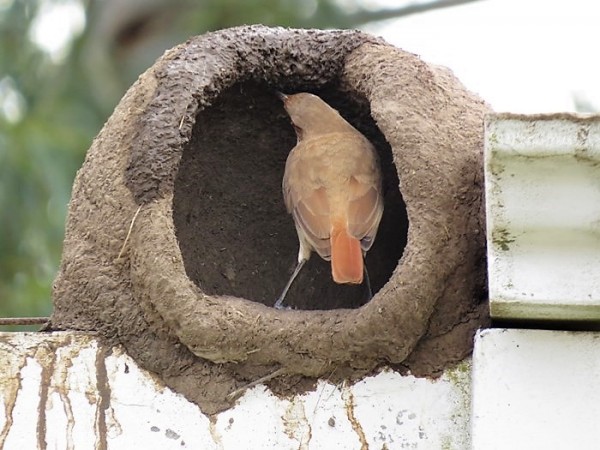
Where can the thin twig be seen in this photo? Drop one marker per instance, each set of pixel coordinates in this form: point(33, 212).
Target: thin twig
point(23, 320)
point(235, 394)
point(327, 380)
point(129, 232)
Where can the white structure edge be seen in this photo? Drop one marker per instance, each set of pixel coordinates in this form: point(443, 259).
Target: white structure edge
point(542, 186)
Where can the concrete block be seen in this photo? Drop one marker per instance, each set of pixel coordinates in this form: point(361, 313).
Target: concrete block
point(542, 186)
point(535, 389)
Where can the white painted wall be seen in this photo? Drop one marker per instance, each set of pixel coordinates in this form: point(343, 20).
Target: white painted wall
point(536, 390)
point(67, 391)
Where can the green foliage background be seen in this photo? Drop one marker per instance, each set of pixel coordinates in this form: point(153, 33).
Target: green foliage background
point(65, 103)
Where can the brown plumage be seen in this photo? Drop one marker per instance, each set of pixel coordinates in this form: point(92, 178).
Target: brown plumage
point(332, 188)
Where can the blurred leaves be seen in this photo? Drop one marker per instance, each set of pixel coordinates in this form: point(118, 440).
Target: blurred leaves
point(53, 103)
point(39, 154)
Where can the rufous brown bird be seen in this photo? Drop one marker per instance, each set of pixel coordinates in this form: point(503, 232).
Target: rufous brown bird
point(332, 189)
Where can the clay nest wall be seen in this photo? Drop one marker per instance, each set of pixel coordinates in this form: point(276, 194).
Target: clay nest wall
point(178, 242)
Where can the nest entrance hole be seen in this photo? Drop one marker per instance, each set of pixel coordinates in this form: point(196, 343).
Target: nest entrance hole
point(235, 235)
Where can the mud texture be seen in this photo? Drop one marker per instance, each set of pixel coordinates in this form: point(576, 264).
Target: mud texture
point(184, 183)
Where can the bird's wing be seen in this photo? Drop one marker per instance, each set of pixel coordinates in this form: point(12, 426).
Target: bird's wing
point(365, 208)
point(311, 214)
point(306, 199)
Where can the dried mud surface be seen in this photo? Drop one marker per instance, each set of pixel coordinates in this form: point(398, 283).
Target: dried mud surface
point(195, 152)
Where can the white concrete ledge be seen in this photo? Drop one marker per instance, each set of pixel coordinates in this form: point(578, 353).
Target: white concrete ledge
point(68, 391)
point(536, 389)
point(542, 185)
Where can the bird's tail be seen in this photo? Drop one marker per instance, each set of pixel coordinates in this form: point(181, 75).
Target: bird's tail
point(346, 256)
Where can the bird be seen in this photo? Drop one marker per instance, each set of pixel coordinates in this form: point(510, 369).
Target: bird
point(332, 187)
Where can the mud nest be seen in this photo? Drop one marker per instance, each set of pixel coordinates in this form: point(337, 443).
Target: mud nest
point(178, 241)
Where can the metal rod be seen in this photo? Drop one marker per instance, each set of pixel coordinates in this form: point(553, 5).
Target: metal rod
point(23, 320)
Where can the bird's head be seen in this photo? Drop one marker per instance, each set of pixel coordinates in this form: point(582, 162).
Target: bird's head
point(311, 116)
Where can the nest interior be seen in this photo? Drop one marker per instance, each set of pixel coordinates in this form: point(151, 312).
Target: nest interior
point(235, 235)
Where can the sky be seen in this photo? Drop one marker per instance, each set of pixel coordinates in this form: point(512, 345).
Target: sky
point(522, 56)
